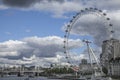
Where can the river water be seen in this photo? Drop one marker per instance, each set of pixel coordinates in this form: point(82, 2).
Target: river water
point(25, 78)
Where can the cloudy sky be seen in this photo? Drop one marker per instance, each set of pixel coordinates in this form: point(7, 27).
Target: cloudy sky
point(31, 31)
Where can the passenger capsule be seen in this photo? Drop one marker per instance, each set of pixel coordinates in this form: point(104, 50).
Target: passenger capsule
point(66, 30)
point(64, 36)
point(100, 10)
point(104, 14)
point(68, 25)
point(82, 10)
point(108, 18)
point(95, 9)
point(110, 24)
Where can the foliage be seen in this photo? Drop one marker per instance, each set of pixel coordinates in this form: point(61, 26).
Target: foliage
point(59, 70)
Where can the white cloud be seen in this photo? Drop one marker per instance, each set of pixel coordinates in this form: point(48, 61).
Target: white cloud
point(28, 30)
point(8, 33)
point(30, 50)
point(29, 59)
point(3, 7)
point(12, 53)
point(10, 48)
point(58, 8)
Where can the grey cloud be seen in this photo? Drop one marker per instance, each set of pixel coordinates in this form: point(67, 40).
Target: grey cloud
point(26, 3)
point(60, 7)
point(19, 3)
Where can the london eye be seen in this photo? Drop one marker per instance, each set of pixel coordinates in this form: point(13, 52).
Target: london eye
point(75, 19)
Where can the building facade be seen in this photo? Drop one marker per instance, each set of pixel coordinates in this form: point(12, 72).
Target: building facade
point(110, 57)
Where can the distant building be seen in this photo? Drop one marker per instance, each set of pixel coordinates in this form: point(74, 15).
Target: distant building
point(85, 67)
point(110, 57)
point(84, 61)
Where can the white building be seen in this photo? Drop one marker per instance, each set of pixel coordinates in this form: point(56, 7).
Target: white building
point(110, 57)
point(86, 67)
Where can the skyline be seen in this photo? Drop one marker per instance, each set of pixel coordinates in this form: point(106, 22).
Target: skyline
point(34, 30)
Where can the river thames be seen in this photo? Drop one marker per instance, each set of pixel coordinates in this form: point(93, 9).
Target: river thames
point(25, 78)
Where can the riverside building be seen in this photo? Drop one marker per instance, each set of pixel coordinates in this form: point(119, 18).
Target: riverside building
point(110, 57)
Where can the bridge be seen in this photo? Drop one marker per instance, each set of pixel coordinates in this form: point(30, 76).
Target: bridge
point(21, 73)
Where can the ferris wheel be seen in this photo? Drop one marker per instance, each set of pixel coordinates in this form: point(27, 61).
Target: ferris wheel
point(93, 11)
